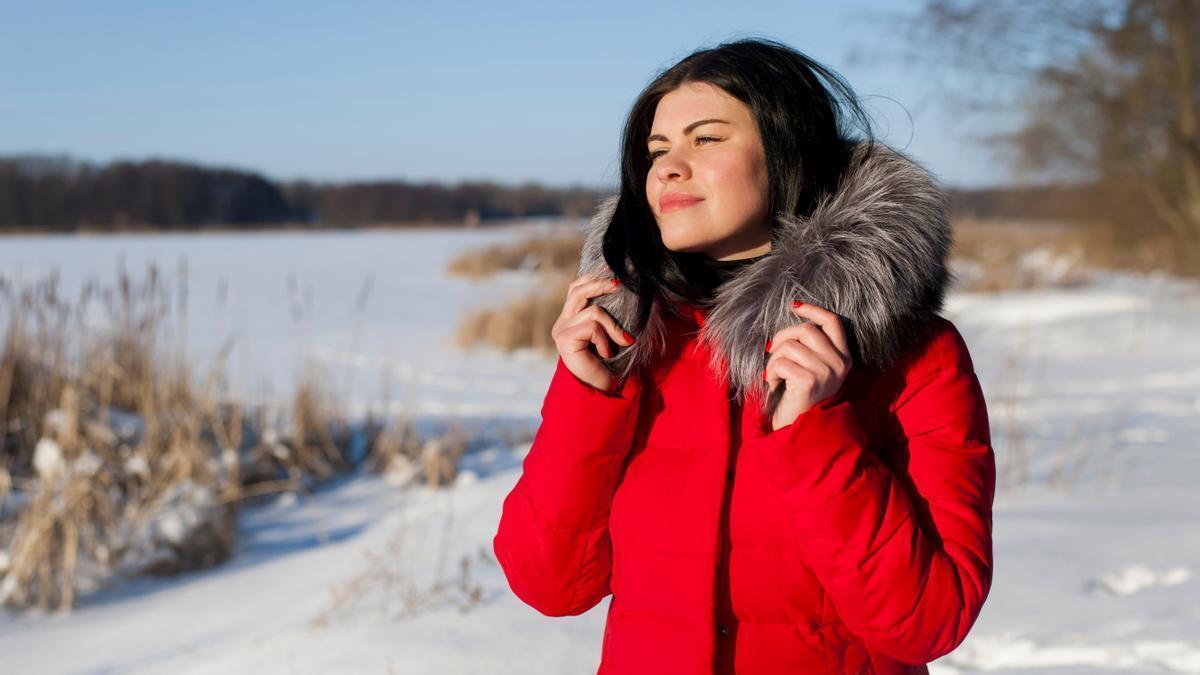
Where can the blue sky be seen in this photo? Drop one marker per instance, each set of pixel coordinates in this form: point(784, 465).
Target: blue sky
point(447, 91)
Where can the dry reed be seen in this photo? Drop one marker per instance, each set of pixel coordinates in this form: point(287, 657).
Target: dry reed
point(535, 253)
point(117, 459)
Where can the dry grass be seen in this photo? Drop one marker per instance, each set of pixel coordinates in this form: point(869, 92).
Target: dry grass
point(400, 454)
point(117, 459)
point(998, 255)
point(92, 487)
point(536, 253)
point(313, 414)
point(524, 322)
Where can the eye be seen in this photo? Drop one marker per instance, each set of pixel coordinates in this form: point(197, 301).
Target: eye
point(655, 155)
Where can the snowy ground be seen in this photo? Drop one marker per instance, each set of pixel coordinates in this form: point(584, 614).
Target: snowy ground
point(1094, 399)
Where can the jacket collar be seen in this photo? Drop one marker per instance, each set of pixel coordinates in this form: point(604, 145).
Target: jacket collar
point(875, 252)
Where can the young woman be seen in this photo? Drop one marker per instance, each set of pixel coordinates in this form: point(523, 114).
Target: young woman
point(761, 437)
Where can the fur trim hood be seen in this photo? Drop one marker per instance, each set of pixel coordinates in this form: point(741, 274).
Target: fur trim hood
point(875, 252)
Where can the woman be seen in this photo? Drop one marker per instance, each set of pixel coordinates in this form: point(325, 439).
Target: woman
point(787, 466)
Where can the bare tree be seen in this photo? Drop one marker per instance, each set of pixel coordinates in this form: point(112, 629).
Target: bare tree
point(1107, 91)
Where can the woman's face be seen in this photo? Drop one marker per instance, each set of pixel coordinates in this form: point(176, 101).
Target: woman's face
point(707, 185)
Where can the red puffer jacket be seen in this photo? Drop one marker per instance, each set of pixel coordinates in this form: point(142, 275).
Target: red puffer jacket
point(856, 539)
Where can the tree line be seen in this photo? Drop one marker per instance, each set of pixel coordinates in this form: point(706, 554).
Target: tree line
point(58, 193)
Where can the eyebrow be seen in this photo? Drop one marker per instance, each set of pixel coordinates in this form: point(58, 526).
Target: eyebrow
point(688, 129)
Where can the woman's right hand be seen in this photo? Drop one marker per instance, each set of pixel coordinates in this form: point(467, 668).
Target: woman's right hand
point(579, 326)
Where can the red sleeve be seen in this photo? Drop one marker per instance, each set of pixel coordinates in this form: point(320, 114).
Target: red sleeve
point(909, 585)
point(552, 541)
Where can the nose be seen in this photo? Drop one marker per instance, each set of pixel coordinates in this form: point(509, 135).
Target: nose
point(672, 166)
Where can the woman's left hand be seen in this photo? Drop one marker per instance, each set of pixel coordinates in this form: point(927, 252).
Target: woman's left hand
point(812, 359)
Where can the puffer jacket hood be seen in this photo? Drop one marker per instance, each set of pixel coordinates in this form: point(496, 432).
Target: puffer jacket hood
point(874, 252)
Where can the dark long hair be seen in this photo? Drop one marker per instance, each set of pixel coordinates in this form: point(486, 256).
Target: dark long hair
point(803, 111)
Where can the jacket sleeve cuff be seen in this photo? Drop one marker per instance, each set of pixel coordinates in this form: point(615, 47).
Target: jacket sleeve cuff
point(570, 393)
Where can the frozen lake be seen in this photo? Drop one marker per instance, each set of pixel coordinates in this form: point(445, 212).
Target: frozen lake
point(373, 308)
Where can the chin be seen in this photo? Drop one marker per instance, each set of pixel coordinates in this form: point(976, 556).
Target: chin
point(687, 243)
point(682, 246)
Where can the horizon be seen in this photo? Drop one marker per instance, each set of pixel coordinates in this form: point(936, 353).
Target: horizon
point(452, 182)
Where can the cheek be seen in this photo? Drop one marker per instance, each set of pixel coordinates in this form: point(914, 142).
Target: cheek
point(654, 189)
point(741, 180)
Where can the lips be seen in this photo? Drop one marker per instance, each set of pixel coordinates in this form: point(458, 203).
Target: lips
point(677, 200)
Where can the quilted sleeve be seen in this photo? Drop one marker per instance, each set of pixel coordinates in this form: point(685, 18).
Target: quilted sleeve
point(909, 582)
point(553, 542)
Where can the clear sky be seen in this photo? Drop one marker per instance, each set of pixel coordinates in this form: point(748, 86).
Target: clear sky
point(443, 91)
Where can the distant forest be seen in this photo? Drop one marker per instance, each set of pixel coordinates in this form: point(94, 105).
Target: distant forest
point(55, 193)
point(62, 194)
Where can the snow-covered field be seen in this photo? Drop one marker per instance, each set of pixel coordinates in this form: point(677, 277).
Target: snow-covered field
point(1094, 400)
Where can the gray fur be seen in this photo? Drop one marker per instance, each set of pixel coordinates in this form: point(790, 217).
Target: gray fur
point(875, 253)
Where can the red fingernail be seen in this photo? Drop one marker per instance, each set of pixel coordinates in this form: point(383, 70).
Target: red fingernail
point(797, 303)
point(629, 337)
point(616, 282)
point(768, 347)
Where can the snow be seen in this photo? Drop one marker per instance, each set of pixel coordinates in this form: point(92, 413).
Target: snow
point(48, 458)
point(1094, 401)
point(188, 503)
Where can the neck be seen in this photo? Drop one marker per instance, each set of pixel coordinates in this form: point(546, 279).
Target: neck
point(724, 269)
point(756, 252)
point(746, 244)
